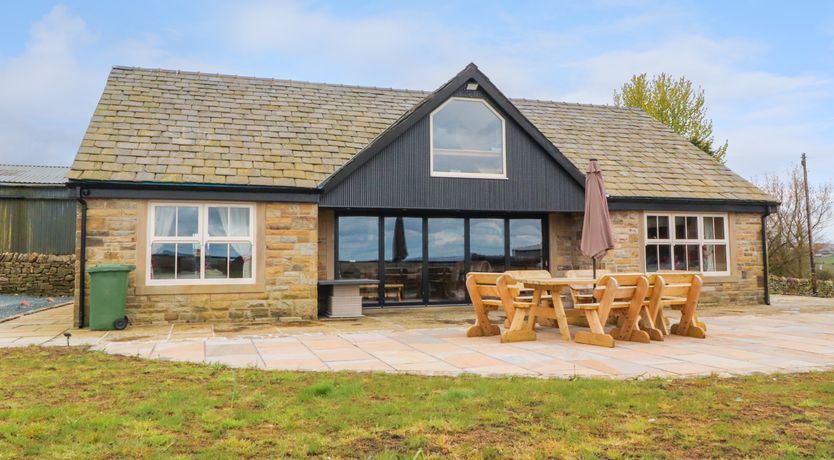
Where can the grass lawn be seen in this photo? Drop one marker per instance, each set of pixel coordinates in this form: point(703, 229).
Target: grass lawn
point(71, 403)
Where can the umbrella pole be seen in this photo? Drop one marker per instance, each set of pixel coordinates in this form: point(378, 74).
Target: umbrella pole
point(594, 264)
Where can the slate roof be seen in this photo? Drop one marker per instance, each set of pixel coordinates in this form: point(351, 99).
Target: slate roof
point(187, 127)
point(33, 175)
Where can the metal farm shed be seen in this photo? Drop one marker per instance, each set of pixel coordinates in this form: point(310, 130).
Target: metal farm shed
point(37, 211)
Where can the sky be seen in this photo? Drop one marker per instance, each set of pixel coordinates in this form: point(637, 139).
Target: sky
point(767, 68)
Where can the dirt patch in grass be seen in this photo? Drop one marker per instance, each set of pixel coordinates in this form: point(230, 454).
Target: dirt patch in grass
point(59, 403)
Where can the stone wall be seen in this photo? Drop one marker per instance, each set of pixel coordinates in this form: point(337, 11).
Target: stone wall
point(744, 286)
point(565, 235)
point(36, 274)
point(287, 287)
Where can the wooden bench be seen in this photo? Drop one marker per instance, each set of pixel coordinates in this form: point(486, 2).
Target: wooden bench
point(623, 295)
point(526, 309)
point(680, 291)
point(392, 291)
point(524, 294)
point(483, 291)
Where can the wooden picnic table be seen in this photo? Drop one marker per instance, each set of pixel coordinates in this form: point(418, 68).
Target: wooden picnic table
point(555, 286)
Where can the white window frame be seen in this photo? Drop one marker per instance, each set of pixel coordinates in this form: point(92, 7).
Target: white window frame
point(700, 241)
point(434, 173)
point(203, 239)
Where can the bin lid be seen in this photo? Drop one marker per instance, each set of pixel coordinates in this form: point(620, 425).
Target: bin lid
point(111, 268)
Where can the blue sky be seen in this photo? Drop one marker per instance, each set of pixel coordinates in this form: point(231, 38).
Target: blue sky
point(767, 67)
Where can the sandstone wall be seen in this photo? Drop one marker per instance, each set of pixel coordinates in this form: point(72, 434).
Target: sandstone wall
point(744, 285)
point(287, 287)
point(36, 274)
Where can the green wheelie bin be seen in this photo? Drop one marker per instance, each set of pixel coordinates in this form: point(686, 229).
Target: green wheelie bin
point(108, 293)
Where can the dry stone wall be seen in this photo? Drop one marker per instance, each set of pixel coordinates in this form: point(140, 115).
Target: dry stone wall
point(36, 274)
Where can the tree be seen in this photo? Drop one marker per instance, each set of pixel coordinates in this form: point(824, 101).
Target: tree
point(676, 104)
point(787, 230)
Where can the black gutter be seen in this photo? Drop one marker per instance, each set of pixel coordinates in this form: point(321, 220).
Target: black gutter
point(189, 191)
point(620, 203)
point(82, 260)
point(109, 184)
point(766, 268)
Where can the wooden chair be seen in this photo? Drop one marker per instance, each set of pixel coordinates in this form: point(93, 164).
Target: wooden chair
point(621, 294)
point(680, 291)
point(527, 294)
point(521, 310)
point(630, 317)
point(483, 291)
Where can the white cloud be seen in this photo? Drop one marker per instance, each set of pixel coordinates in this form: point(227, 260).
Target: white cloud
point(44, 91)
point(49, 91)
point(408, 47)
point(765, 115)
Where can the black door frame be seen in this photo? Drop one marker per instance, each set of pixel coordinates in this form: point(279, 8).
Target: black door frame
point(425, 216)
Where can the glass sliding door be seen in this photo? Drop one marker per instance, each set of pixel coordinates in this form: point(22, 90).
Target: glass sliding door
point(446, 258)
point(486, 245)
point(526, 244)
point(358, 251)
point(424, 260)
point(403, 276)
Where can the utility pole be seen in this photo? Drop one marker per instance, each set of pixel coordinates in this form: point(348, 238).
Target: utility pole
point(810, 236)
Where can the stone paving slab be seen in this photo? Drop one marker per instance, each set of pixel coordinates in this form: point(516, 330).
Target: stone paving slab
point(740, 344)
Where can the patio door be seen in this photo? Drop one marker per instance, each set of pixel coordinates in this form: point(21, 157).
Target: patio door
point(423, 260)
point(402, 279)
point(446, 260)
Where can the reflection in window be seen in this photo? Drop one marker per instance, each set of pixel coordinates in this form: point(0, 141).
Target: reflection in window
point(359, 248)
point(188, 261)
point(486, 245)
point(163, 261)
point(403, 258)
point(446, 258)
point(526, 244)
point(467, 138)
point(181, 232)
point(223, 221)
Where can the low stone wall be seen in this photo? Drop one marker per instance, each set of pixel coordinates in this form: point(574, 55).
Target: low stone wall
point(800, 286)
point(36, 274)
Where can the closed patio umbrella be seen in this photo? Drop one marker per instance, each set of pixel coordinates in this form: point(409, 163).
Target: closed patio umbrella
point(399, 249)
point(597, 237)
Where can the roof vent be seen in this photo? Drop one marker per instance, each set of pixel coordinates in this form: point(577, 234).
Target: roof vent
point(472, 86)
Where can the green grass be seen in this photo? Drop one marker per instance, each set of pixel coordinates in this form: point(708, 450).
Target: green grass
point(71, 403)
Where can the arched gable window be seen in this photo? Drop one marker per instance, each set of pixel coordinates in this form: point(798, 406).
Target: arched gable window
point(468, 140)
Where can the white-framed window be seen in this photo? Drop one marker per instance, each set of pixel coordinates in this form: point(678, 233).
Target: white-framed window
point(191, 243)
point(688, 242)
point(468, 139)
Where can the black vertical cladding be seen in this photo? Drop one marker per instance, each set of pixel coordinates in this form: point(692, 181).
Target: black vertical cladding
point(399, 177)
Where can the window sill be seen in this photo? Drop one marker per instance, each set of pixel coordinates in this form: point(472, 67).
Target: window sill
point(184, 289)
point(469, 175)
point(709, 279)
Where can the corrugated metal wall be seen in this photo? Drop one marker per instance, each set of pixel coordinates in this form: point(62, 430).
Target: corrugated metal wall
point(398, 177)
point(43, 226)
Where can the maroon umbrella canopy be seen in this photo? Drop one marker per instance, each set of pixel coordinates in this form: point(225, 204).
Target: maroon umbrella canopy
point(597, 237)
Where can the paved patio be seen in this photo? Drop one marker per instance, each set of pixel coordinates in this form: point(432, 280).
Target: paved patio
point(432, 342)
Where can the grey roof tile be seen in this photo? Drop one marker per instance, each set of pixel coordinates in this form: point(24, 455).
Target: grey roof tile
point(172, 126)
